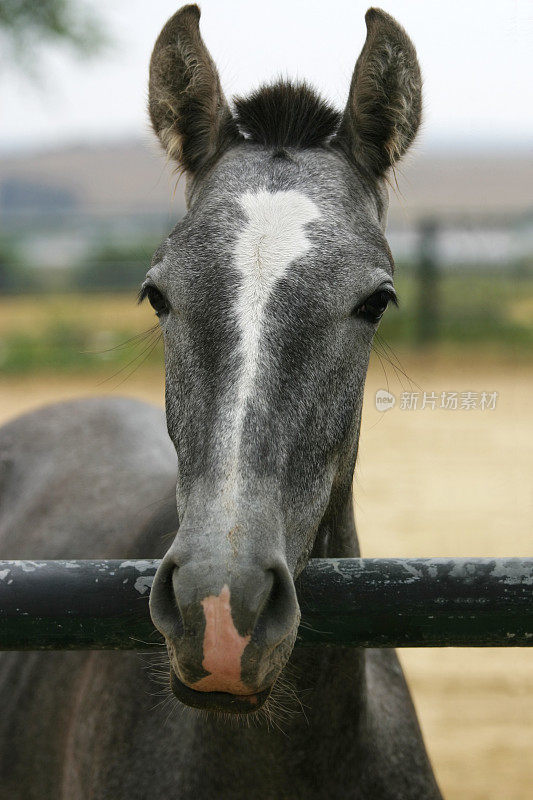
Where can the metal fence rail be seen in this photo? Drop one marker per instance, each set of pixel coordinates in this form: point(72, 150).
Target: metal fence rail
point(90, 605)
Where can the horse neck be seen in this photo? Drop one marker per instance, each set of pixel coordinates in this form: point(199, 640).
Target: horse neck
point(337, 536)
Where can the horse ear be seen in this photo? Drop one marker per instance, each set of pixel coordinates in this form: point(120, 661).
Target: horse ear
point(385, 102)
point(187, 107)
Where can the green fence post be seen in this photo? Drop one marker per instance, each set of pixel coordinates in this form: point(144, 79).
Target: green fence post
point(427, 327)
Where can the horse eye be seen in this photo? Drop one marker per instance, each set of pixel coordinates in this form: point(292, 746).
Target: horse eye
point(156, 299)
point(373, 308)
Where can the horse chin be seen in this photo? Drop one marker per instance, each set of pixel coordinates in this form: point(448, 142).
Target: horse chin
point(221, 702)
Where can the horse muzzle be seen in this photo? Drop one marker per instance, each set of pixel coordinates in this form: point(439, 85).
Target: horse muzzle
point(229, 632)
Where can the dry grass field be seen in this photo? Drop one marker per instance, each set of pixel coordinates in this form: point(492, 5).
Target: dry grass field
point(428, 483)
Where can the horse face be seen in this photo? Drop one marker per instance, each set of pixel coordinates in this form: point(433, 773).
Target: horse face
point(268, 293)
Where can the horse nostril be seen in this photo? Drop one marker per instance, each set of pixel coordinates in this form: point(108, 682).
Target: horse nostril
point(280, 612)
point(164, 608)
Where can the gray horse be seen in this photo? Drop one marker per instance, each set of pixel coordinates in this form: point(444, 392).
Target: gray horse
point(268, 295)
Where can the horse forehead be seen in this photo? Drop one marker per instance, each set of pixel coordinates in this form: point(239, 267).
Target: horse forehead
point(274, 232)
point(279, 211)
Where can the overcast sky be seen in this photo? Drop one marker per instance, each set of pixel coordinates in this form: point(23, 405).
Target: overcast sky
point(475, 56)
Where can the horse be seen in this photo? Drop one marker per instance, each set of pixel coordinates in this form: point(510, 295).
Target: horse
point(268, 294)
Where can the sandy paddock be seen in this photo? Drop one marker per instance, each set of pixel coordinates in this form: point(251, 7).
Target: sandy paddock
point(429, 482)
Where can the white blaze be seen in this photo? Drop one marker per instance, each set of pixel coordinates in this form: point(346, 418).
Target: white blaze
point(273, 237)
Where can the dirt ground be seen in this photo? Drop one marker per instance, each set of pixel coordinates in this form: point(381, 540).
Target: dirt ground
point(429, 482)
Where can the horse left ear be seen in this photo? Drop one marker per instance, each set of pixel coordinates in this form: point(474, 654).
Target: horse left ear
point(187, 107)
point(384, 106)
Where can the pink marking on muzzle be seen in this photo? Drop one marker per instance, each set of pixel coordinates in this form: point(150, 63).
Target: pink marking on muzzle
point(223, 648)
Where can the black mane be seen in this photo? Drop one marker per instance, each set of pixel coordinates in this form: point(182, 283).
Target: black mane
point(286, 114)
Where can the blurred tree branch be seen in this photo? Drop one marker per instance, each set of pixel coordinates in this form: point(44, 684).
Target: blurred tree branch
point(27, 25)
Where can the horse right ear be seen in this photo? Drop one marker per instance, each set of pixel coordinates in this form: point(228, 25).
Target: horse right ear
point(384, 105)
point(187, 107)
